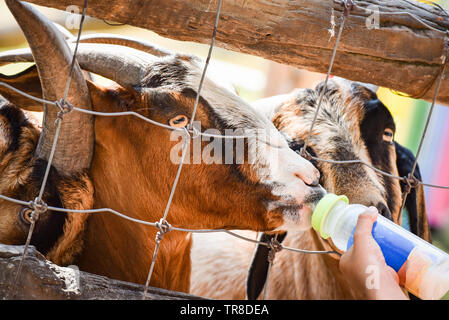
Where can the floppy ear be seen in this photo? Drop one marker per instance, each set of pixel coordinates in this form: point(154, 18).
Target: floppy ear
point(26, 81)
point(415, 204)
point(258, 270)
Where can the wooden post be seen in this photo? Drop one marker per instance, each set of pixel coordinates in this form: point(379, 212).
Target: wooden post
point(40, 279)
point(398, 53)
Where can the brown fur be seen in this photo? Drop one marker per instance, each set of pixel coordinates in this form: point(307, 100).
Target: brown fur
point(15, 169)
point(28, 81)
point(17, 180)
point(423, 223)
point(70, 244)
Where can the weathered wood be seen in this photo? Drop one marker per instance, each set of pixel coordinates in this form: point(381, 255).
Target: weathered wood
point(41, 279)
point(402, 54)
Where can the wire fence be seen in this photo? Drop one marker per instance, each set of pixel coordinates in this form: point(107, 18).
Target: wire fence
point(38, 206)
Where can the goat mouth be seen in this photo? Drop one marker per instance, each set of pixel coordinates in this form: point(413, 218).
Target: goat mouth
point(287, 207)
point(289, 203)
point(296, 215)
point(314, 196)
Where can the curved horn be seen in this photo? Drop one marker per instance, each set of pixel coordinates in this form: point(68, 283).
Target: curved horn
point(16, 55)
point(66, 33)
point(125, 41)
point(124, 65)
point(53, 58)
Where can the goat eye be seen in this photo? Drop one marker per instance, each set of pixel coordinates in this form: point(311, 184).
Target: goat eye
point(388, 135)
point(25, 215)
point(180, 121)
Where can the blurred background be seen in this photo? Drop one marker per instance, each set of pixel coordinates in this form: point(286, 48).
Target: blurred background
point(256, 78)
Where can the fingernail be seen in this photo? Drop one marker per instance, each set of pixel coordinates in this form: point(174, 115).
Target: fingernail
point(372, 211)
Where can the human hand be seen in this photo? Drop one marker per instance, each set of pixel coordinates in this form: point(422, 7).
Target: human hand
point(364, 264)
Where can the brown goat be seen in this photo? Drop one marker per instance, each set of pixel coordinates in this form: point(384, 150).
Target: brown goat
point(351, 124)
point(131, 168)
point(21, 177)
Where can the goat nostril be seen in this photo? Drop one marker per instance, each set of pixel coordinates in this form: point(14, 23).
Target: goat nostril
point(308, 180)
point(384, 211)
point(314, 183)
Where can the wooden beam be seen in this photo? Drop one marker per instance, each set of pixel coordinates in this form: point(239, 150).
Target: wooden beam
point(400, 53)
point(42, 280)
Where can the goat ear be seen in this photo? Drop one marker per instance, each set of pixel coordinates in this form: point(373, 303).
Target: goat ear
point(75, 193)
point(415, 205)
point(26, 81)
point(111, 98)
point(363, 91)
point(258, 270)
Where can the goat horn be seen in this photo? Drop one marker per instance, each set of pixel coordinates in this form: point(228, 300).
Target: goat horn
point(124, 65)
point(125, 41)
point(16, 55)
point(53, 58)
point(66, 33)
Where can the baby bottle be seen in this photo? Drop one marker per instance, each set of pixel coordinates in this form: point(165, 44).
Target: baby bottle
point(422, 267)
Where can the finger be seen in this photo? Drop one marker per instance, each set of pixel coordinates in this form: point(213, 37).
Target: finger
point(372, 212)
point(393, 274)
point(364, 226)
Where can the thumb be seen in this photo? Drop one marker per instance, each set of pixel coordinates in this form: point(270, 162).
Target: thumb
point(364, 226)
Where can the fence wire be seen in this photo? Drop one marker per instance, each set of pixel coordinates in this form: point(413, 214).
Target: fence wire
point(38, 206)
